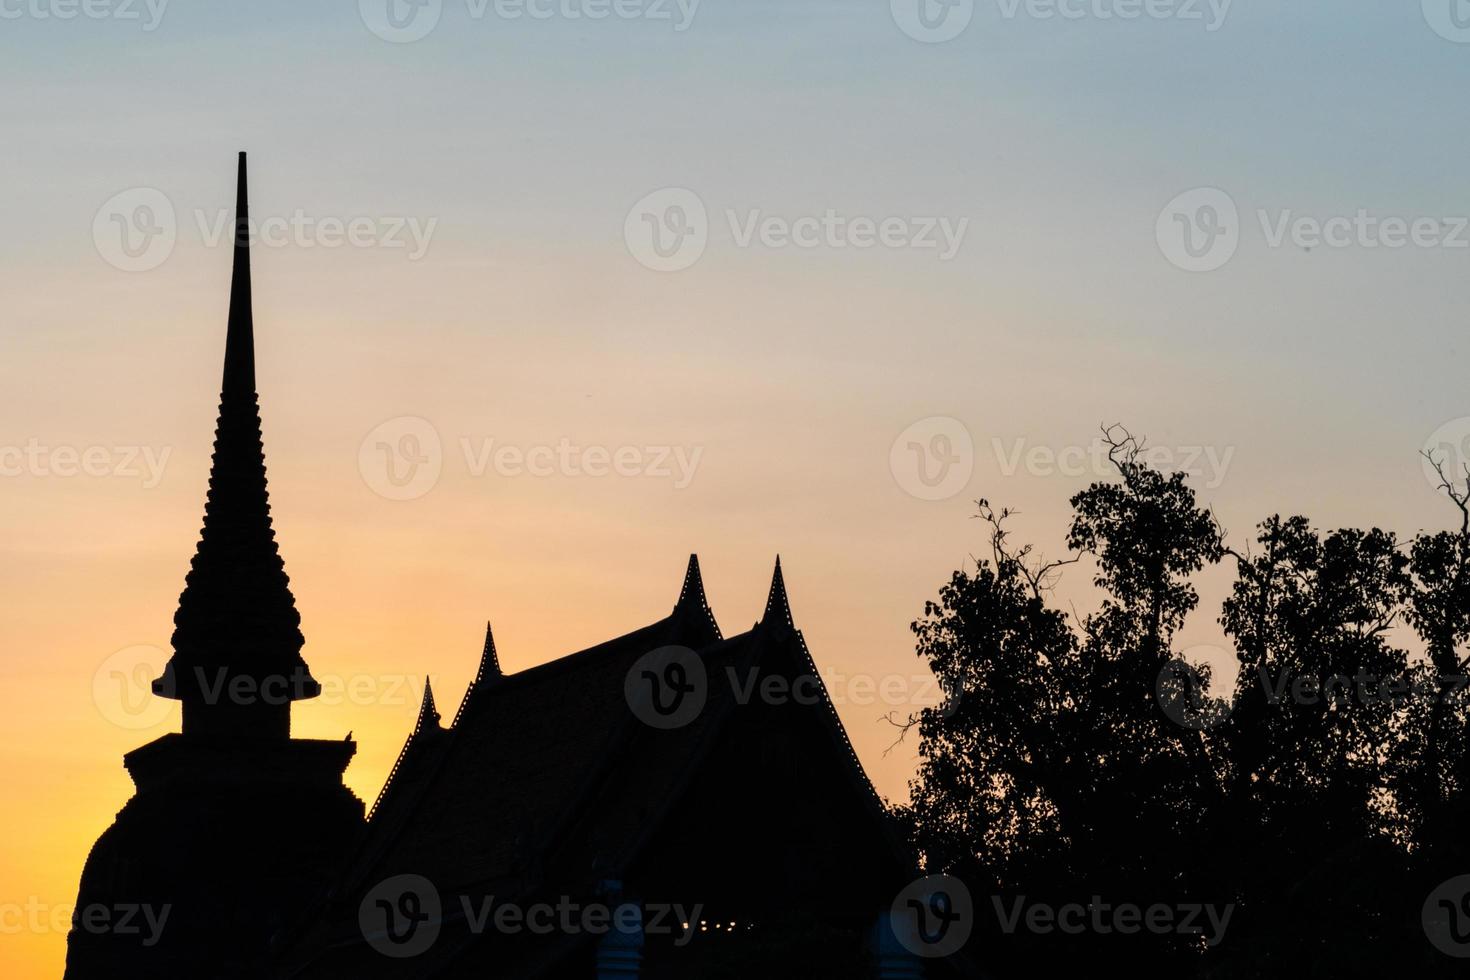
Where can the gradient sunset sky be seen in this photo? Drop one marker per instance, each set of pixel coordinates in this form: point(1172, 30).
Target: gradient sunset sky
point(841, 404)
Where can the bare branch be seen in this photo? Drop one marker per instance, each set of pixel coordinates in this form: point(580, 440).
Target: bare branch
point(1460, 498)
point(1041, 576)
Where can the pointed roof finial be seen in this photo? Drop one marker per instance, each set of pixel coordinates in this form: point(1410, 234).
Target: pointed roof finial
point(692, 594)
point(692, 609)
point(239, 375)
point(488, 673)
point(778, 607)
point(428, 712)
point(489, 659)
point(414, 747)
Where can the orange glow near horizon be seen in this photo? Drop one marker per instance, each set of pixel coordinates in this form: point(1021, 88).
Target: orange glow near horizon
point(392, 591)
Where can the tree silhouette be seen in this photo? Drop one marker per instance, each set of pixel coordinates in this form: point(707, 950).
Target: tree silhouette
point(1078, 759)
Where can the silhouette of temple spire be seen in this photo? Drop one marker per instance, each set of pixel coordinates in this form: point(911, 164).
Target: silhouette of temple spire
point(489, 659)
point(488, 672)
point(778, 607)
point(428, 711)
point(426, 732)
point(691, 596)
point(692, 606)
point(237, 640)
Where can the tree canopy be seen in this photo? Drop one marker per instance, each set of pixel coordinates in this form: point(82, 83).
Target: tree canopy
point(1079, 759)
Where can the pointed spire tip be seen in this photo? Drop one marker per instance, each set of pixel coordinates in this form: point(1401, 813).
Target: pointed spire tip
point(428, 711)
point(489, 657)
point(239, 377)
point(778, 606)
point(692, 591)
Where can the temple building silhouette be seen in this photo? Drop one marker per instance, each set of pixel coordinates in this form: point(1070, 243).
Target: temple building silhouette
point(672, 815)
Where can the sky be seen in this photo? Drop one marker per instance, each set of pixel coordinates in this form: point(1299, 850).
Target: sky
point(550, 294)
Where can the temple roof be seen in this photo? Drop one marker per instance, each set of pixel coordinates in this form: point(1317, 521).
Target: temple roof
point(549, 777)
